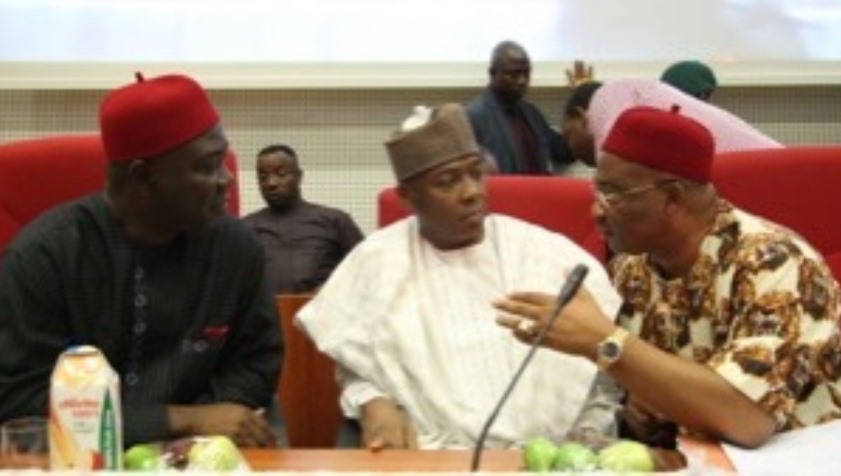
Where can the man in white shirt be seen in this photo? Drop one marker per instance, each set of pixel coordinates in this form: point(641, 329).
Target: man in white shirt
point(408, 315)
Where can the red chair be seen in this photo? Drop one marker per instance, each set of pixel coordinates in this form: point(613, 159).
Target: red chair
point(560, 204)
point(307, 390)
point(797, 187)
point(38, 174)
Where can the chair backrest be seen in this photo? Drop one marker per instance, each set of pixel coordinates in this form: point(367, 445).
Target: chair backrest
point(796, 187)
point(307, 391)
point(560, 204)
point(38, 174)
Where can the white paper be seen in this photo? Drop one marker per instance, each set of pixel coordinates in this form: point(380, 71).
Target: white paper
point(814, 450)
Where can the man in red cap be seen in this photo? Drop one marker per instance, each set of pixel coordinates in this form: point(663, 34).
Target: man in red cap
point(729, 322)
point(145, 272)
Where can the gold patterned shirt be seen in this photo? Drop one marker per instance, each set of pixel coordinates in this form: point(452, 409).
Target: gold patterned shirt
point(759, 307)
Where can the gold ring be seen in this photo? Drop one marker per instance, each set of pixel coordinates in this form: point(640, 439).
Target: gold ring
point(527, 327)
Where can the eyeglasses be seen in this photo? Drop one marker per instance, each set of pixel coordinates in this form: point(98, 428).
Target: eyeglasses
point(612, 199)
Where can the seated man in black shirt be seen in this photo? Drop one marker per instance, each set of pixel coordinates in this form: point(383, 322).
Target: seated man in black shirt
point(152, 272)
point(303, 241)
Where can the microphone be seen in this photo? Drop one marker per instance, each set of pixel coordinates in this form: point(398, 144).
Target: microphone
point(568, 290)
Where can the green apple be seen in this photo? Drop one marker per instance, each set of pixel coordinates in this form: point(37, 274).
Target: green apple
point(539, 454)
point(574, 456)
point(216, 453)
point(143, 457)
point(626, 455)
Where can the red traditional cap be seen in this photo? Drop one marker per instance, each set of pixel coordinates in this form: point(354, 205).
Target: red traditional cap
point(151, 117)
point(663, 140)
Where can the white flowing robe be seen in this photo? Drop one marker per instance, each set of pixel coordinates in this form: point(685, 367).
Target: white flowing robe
point(414, 323)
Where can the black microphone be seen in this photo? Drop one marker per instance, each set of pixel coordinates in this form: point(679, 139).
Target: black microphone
point(568, 290)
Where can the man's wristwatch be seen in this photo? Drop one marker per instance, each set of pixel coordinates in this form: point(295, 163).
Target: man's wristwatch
point(609, 350)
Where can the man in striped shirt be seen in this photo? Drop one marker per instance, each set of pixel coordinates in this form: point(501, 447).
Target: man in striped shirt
point(593, 107)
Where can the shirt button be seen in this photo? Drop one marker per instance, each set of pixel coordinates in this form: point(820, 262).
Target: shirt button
point(140, 300)
point(132, 379)
point(139, 327)
point(200, 346)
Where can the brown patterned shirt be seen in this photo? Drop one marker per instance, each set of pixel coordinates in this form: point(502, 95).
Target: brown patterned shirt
point(759, 307)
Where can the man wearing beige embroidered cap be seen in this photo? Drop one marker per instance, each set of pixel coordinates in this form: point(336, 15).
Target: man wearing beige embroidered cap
point(144, 271)
point(729, 322)
point(408, 317)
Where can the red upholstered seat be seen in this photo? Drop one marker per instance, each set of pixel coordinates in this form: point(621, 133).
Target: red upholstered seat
point(799, 187)
point(38, 174)
point(560, 204)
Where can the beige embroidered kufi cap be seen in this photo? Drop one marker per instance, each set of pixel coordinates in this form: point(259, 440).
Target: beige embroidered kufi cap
point(430, 137)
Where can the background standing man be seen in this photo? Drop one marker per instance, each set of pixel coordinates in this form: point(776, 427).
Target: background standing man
point(511, 128)
point(303, 241)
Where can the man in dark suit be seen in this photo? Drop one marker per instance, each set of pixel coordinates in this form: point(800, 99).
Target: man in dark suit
point(512, 129)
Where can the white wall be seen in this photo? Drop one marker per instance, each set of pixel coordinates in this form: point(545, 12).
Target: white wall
point(408, 43)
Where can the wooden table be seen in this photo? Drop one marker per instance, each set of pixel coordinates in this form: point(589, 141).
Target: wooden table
point(711, 451)
point(394, 461)
point(389, 461)
point(386, 461)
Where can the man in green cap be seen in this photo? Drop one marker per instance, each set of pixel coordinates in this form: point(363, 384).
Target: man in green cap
point(692, 77)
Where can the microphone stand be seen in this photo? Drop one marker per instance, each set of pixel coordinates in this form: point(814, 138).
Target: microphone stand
point(568, 290)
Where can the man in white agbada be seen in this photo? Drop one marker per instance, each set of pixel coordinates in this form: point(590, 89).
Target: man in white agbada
point(408, 314)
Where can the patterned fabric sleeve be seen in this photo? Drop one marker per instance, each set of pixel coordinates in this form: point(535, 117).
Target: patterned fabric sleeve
point(759, 307)
point(781, 307)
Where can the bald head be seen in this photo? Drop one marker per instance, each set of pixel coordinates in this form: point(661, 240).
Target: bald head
point(510, 72)
point(507, 50)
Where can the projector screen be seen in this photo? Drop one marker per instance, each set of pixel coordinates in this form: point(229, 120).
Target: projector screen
point(383, 43)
